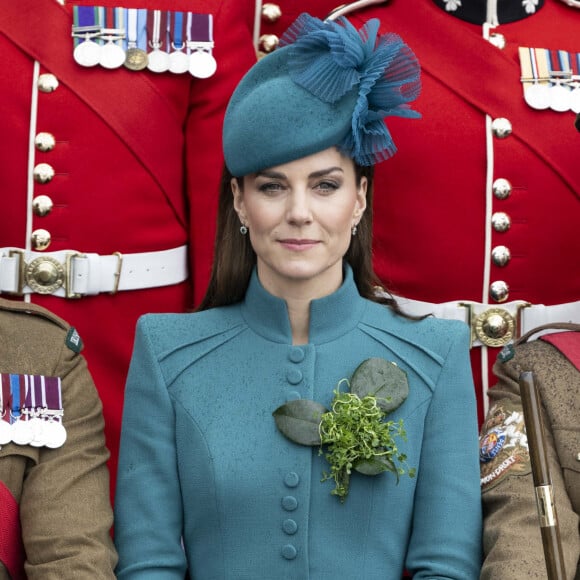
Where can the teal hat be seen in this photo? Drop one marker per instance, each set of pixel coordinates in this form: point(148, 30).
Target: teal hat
point(327, 85)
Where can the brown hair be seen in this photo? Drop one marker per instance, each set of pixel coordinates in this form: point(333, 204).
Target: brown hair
point(234, 258)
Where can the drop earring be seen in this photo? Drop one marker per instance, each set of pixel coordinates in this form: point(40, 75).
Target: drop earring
point(354, 230)
point(243, 230)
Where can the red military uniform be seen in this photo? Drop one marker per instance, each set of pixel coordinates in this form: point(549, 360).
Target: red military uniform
point(120, 166)
point(464, 212)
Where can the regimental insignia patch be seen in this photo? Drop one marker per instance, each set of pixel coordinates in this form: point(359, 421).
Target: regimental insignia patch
point(73, 340)
point(503, 444)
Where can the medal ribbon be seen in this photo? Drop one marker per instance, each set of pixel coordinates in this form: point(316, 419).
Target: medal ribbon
point(177, 31)
point(201, 28)
point(6, 402)
point(85, 17)
point(53, 393)
point(156, 22)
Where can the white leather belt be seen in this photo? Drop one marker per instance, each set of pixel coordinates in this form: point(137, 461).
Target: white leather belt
point(495, 324)
point(72, 274)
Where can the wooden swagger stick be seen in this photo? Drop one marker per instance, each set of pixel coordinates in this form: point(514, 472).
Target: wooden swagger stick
point(542, 480)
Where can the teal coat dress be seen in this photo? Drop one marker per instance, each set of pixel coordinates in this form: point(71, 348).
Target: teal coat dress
point(207, 482)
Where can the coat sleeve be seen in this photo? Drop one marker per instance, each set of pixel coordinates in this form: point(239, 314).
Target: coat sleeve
point(148, 507)
point(65, 507)
point(512, 539)
point(446, 536)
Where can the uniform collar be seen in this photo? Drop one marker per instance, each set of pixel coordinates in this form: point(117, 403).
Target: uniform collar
point(330, 317)
point(475, 11)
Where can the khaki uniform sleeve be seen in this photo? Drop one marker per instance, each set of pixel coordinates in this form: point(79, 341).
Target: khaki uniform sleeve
point(512, 539)
point(65, 505)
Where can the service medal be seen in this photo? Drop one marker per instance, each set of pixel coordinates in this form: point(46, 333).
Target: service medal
point(87, 53)
point(537, 96)
point(158, 61)
point(112, 56)
point(178, 62)
point(575, 100)
point(21, 432)
point(54, 434)
point(5, 432)
point(559, 98)
point(136, 59)
point(202, 64)
point(37, 428)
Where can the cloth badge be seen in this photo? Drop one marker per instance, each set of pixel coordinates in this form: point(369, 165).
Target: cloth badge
point(503, 444)
point(506, 353)
point(73, 340)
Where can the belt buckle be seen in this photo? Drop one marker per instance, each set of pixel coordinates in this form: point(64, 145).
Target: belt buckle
point(44, 275)
point(68, 274)
point(494, 326)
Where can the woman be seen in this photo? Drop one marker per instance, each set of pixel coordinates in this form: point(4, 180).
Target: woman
point(210, 480)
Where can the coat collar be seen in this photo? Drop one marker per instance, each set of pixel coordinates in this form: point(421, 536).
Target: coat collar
point(330, 317)
point(475, 11)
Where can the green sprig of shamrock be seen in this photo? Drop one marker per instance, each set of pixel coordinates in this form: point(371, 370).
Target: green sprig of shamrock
point(354, 432)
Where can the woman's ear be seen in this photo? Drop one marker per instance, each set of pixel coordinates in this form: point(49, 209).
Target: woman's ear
point(238, 199)
point(361, 199)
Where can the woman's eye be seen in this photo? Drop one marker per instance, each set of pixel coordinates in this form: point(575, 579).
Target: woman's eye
point(327, 186)
point(270, 187)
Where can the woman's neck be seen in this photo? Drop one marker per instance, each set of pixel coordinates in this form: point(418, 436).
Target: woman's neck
point(493, 12)
point(299, 317)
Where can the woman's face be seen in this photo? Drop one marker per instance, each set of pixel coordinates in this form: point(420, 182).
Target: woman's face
point(300, 217)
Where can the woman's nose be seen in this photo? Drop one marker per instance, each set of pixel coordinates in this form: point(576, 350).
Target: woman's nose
point(299, 210)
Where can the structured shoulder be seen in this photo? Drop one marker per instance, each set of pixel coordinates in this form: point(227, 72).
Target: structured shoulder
point(433, 333)
point(172, 329)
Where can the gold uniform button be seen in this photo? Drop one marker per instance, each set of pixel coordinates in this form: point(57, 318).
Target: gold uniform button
point(501, 256)
point(47, 83)
point(42, 205)
point(271, 12)
point(501, 221)
point(502, 188)
point(45, 142)
point(40, 239)
point(499, 291)
point(43, 173)
point(501, 127)
point(268, 43)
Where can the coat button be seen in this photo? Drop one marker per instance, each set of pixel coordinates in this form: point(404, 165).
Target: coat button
point(289, 552)
point(291, 479)
point(293, 396)
point(499, 291)
point(296, 355)
point(47, 83)
point(42, 205)
point(501, 256)
point(289, 503)
point(501, 127)
point(44, 142)
point(502, 188)
point(501, 221)
point(293, 376)
point(40, 239)
point(43, 173)
point(290, 527)
point(271, 12)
